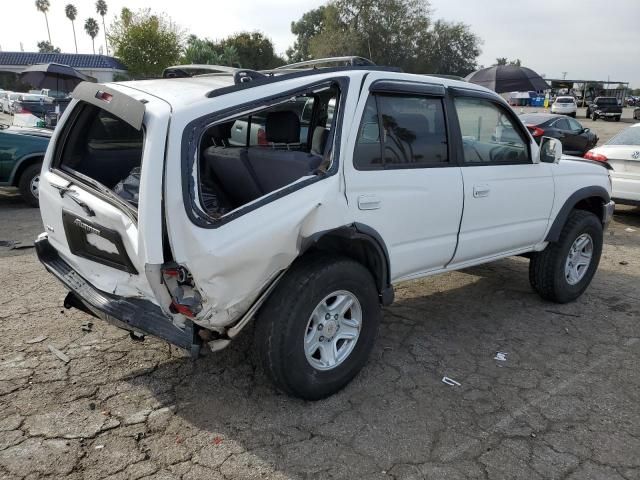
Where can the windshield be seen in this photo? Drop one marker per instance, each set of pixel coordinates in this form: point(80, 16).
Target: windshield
point(607, 101)
point(630, 136)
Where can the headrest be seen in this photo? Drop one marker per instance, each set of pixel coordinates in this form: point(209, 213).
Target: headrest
point(319, 140)
point(282, 127)
point(413, 122)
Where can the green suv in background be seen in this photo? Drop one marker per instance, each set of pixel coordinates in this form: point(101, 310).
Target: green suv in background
point(22, 150)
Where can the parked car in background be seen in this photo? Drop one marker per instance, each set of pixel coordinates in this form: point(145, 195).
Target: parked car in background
point(622, 153)
point(604, 107)
point(29, 110)
point(21, 153)
point(7, 101)
point(565, 106)
point(576, 139)
point(636, 113)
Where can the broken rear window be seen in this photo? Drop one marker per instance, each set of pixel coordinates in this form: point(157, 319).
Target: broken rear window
point(104, 148)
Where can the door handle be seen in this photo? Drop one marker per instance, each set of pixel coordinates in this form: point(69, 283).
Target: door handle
point(481, 191)
point(369, 202)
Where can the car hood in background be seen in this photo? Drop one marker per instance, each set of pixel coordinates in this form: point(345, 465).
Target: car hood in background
point(32, 131)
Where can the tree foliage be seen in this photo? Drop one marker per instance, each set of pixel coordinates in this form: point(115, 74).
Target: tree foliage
point(147, 43)
point(245, 49)
point(101, 9)
point(503, 61)
point(43, 6)
point(46, 47)
point(92, 28)
point(72, 13)
point(391, 32)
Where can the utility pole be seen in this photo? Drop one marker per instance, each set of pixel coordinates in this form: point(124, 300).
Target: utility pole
point(564, 75)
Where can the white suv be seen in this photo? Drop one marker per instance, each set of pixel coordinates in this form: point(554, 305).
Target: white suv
point(160, 225)
point(565, 106)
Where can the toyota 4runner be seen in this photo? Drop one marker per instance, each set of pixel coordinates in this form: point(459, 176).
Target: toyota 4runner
point(161, 219)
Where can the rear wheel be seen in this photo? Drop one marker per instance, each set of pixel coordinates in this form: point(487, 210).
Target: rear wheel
point(563, 270)
point(594, 116)
point(617, 119)
point(29, 183)
point(315, 332)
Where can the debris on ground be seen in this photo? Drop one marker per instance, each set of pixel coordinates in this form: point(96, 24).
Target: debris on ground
point(87, 326)
point(501, 356)
point(22, 246)
point(61, 355)
point(623, 262)
point(98, 447)
point(39, 339)
point(217, 440)
point(450, 381)
point(629, 229)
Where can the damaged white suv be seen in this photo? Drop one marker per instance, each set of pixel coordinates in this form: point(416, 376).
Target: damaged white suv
point(183, 208)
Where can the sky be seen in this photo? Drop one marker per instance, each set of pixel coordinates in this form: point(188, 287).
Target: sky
point(587, 39)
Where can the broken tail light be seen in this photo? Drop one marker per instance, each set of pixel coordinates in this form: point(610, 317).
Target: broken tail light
point(186, 300)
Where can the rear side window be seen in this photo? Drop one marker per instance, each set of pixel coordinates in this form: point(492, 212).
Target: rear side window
point(564, 100)
point(401, 131)
point(102, 147)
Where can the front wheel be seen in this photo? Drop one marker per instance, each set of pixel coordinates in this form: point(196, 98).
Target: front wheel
point(29, 183)
point(563, 270)
point(316, 330)
point(594, 117)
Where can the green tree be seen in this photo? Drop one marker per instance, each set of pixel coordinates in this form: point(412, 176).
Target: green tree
point(72, 12)
point(501, 61)
point(147, 43)
point(311, 24)
point(202, 51)
point(92, 28)
point(390, 32)
point(43, 6)
point(250, 50)
point(516, 62)
point(46, 47)
point(101, 9)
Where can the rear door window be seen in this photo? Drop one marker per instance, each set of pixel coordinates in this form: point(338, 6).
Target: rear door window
point(102, 147)
point(401, 131)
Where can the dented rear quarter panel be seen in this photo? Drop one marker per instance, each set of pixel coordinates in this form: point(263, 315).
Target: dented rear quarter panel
point(233, 263)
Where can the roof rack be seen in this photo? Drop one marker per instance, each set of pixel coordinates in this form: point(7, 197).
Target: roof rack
point(241, 82)
point(352, 61)
point(184, 71)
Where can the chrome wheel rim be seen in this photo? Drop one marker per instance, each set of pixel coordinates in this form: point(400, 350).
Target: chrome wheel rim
point(578, 259)
point(33, 186)
point(333, 330)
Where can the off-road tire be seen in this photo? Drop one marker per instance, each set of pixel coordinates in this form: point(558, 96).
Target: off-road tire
point(281, 324)
point(24, 184)
point(547, 268)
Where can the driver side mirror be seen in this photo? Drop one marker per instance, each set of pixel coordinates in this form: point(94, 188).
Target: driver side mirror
point(550, 150)
point(586, 130)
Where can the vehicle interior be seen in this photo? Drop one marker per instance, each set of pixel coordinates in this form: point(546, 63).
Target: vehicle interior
point(104, 148)
point(251, 156)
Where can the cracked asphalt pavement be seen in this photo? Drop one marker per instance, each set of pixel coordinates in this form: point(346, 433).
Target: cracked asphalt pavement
point(565, 404)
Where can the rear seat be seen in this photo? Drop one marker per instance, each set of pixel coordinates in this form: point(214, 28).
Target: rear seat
point(249, 173)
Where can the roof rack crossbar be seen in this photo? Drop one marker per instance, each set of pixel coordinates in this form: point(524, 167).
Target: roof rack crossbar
point(268, 76)
point(351, 60)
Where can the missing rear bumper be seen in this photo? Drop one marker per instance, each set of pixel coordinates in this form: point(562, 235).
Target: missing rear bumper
point(133, 314)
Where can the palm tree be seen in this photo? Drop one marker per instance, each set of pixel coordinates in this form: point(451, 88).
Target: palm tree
point(72, 13)
point(43, 6)
point(101, 8)
point(92, 28)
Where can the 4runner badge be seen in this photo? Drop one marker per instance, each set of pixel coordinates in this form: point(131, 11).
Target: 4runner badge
point(87, 228)
point(636, 155)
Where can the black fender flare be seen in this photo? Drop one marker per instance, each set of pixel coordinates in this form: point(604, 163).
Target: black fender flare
point(363, 233)
point(561, 218)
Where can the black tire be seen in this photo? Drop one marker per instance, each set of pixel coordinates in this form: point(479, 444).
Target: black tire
point(283, 320)
point(547, 268)
point(594, 117)
point(617, 119)
point(25, 184)
point(588, 114)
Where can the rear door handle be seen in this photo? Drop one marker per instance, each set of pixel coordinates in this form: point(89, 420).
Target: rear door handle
point(481, 191)
point(369, 202)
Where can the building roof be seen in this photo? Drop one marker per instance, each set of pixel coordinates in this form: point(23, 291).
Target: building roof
point(75, 60)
